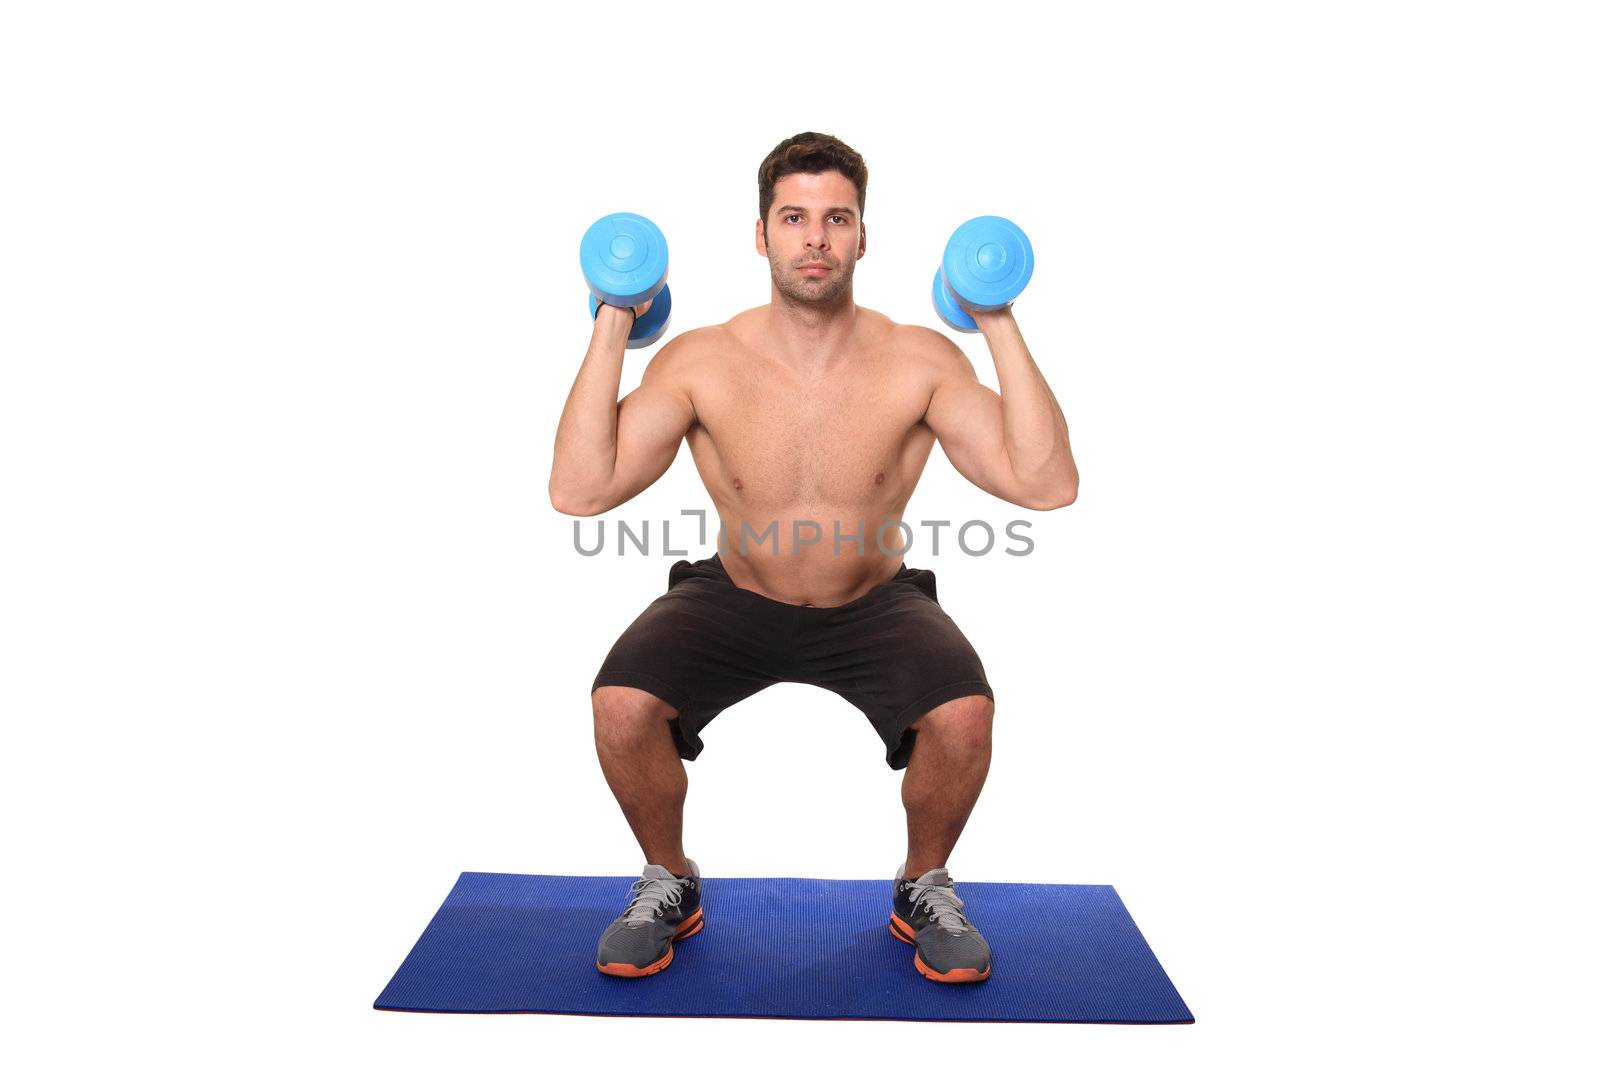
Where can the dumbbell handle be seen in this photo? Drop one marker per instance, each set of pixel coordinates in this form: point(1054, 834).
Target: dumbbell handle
point(619, 307)
point(648, 323)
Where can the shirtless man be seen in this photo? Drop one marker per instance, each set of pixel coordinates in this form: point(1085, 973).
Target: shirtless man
point(809, 419)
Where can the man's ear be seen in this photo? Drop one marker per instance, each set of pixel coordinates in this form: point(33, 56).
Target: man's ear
point(761, 237)
point(863, 249)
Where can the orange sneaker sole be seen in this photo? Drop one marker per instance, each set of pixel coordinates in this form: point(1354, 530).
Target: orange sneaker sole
point(899, 928)
point(686, 929)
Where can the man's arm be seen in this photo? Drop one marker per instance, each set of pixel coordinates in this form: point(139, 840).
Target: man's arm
point(609, 451)
point(1014, 444)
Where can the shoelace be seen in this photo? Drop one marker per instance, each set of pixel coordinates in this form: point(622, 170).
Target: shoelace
point(942, 902)
point(654, 894)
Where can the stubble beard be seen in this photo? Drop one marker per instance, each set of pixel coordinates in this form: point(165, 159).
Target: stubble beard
point(830, 290)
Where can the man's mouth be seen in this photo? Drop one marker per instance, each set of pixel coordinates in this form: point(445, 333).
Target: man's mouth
point(814, 268)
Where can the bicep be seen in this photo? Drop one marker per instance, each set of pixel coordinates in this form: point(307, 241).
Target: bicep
point(964, 415)
point(969, 421)
point(651, 423)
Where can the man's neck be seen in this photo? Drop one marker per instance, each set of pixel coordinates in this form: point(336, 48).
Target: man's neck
point(805, 336)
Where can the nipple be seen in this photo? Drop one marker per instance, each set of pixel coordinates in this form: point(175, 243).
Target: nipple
point(737, 484)
point(879, 479)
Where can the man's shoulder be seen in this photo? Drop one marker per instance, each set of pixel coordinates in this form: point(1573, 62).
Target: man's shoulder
point(705, 345)
point(907, 340)
point(929, 347)
point(687, 348)
point(709, 338)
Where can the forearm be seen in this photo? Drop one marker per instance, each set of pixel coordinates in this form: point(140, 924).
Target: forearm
point(1033, 428)
point(586, 437)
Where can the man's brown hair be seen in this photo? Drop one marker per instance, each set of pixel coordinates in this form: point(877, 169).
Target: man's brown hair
point(811, 153)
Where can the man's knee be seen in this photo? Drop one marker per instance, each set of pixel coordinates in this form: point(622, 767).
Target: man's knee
point(965, 718)
point(621, 705)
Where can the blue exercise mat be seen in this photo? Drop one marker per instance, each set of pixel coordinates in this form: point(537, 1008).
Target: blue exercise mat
point(792, 948)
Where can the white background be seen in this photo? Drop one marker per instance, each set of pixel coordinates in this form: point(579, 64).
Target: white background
point(292, 635)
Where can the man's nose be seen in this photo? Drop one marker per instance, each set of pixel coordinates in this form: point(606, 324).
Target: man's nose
point(817, 236)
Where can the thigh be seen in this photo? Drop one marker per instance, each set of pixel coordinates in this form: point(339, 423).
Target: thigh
point(898, 662)
point(694, 648)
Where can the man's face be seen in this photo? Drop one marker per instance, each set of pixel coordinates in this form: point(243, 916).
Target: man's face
point(815, 219)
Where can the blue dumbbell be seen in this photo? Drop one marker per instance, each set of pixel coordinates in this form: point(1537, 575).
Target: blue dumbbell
point(624, 260)
point(988, 262)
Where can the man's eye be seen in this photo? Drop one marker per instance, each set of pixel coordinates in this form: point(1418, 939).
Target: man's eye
point(791, 217)
point(840, 218)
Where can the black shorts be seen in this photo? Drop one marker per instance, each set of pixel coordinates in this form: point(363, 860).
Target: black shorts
point(707, 644)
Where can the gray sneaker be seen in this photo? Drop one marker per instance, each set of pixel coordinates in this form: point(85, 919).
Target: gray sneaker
point(928, 914)
point(662, 909)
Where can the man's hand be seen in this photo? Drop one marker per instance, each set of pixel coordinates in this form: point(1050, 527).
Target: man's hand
point(641, 309)
point(985, 319)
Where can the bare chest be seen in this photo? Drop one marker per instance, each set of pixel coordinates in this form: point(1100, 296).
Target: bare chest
point(774, 441)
